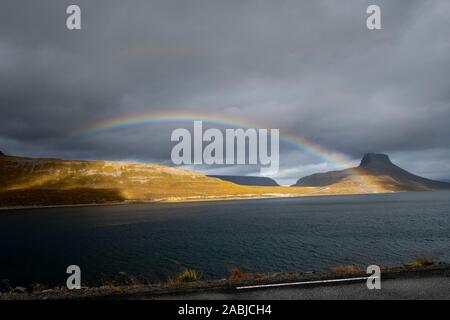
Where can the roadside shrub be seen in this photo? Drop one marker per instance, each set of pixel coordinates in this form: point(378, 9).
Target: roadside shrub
point(421, 262)
point(349, 268)
point(185, 276)
point(236, 274)
point(112, 286)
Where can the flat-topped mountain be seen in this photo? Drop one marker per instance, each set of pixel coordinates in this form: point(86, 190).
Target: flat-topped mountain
point(375, 171)
point(248, 180)
point(375, 159)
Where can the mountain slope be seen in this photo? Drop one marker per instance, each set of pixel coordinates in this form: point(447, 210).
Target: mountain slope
point(37, 182)
point(375, 171)
point(28, 182)
point(248, 180)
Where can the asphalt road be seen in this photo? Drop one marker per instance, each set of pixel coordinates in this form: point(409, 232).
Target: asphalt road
point(409, 289)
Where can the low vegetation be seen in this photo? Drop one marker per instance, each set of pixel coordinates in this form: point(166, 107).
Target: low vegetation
point(235, 274)
point(185, 276)
point(349, 268)
point(112, 286)
point(421, 262)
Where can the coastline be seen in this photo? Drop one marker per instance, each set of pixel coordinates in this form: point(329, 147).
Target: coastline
point(192, 200)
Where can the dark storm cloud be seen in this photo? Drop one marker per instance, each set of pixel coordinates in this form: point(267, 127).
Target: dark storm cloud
point(307, 67)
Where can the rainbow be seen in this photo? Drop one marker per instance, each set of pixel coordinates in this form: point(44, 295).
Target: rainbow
point(292, 140)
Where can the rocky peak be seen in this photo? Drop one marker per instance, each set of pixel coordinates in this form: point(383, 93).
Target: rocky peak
point(375, 159)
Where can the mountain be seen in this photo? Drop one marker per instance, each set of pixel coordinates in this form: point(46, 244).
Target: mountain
point(39, 182)
point(31, 182)
point(1, 153)
point(248, 180)
point(375, 171)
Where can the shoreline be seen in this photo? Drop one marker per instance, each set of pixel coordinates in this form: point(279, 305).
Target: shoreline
point(194, 200)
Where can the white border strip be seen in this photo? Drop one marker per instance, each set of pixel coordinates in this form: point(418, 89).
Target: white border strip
point(302, 283)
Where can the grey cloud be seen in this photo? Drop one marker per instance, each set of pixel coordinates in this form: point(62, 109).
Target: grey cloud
point(310, 68)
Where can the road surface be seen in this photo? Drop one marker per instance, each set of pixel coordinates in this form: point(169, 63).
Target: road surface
point(410, 289)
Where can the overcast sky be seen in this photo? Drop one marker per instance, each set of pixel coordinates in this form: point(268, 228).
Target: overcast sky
point(309, 68)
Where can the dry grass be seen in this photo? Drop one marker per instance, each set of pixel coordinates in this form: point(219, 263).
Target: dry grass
point(349, 268)
point(28, 182)
point(236, 274)
point(185, 276)
point(420, 262)
point(112, 286)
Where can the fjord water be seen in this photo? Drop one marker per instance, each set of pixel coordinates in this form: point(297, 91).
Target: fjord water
point(155, 241)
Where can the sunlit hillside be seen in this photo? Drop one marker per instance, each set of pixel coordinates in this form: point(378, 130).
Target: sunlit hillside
point(29, 182)
point(376, 173)
point(26, 181)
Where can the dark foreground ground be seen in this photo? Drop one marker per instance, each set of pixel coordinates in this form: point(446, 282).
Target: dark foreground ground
point(431, 281)
point(430, 288)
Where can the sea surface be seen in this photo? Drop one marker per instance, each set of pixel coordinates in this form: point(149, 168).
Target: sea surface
point(153, 242)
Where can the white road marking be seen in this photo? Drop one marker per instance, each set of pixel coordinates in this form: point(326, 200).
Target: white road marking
point(302, 283)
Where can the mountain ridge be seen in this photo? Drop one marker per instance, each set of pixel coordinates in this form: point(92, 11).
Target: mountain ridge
point(48, 182)
point(248, 180)
point(378, 166)
point(29, 182)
